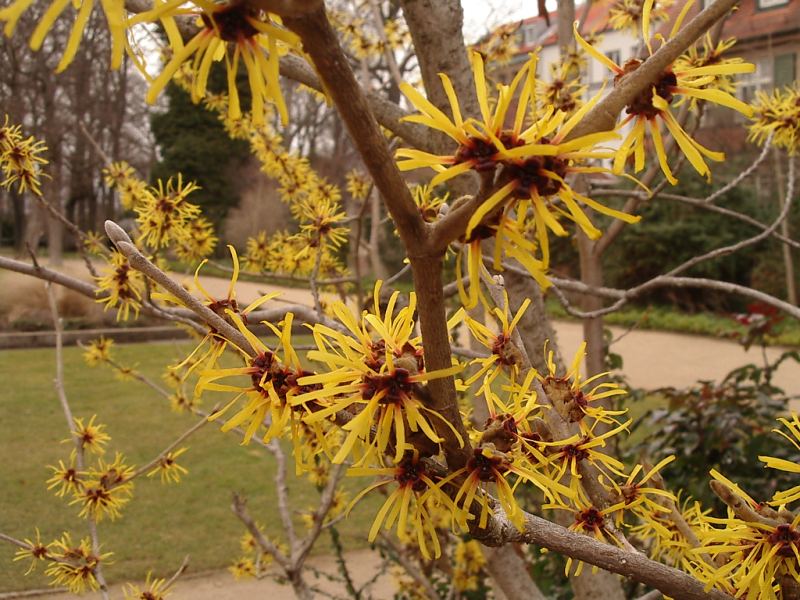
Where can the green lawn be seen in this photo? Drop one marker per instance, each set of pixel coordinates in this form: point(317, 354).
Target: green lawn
point(162, 523)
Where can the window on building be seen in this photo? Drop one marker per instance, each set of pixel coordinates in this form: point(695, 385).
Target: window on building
point(772, 3)
point(761, 78)
point(785, 70)
point(614, 55)
point(530, 34)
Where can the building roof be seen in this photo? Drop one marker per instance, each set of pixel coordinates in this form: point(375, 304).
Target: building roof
point(596, 22)
point(746, 23)
point(751, 22)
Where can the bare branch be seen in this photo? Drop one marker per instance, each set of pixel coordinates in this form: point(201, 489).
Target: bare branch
point(634, 565)
point(180, 439)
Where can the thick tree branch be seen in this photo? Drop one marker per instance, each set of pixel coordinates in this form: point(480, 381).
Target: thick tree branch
point(322, 45)
point(634, 565)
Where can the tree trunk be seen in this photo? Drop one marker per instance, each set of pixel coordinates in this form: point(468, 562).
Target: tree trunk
point(504, 565)
point(20, 221)
point(592, 274)
point(375, 231)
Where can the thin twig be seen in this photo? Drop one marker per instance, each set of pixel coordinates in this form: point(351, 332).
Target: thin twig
point(181, 569)
point(282, 492)
point(141, 263)
point(148, 466)
point(725, 250)
point(744, 174)
point(414, 571)
point(80, 459)
point(313, 280)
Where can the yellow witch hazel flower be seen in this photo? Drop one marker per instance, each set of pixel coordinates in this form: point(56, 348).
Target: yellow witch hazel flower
point(163, 212)
point(375, 370)
point(792, 494)
point(532, 153)
point(98, 351)
point(35, 552)
point(20, 159)
point(409, 504)
point(778, 114)
point(115, 14)
point(628, 14)
point(705, 55)
point(107, 488)
point(122, 176)
point(91, 436)
point(236, 32)
point(504, 354)
point(168, 468)
point(74, 565)
point(760, 552)
point(571, 397)
point(273, 382)
point(153, 589)
point(592, 521)
point(652, 107)
point(122, 286)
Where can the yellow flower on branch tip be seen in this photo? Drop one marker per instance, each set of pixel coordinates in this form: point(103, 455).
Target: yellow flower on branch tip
point(131, 189)
point(236, 32)
point(91, 437)
point(778, 114)
point(707, 55)
point(648, 111)
point(508, 431)
point(163, 212)
point(98, 351)
point(666, 543)
point(485, 466)
point(20, 159)
point(636, 496)
point(564, 91)
point(428, 202)
point(66, 478)
point(116, 20)
point(566, 455)
point(628, 14)
point(243, 568)
point(94, 243)
point(510, 241)
point(35, 552)
point(212, 345)
point(122, 286)
point(358, 185)
point(408, 504)
point(532, 152)
point(197, 240)
point(153, 589)
point(168, 467)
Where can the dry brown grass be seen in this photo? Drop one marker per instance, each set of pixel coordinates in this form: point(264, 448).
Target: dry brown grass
point(23, 305)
